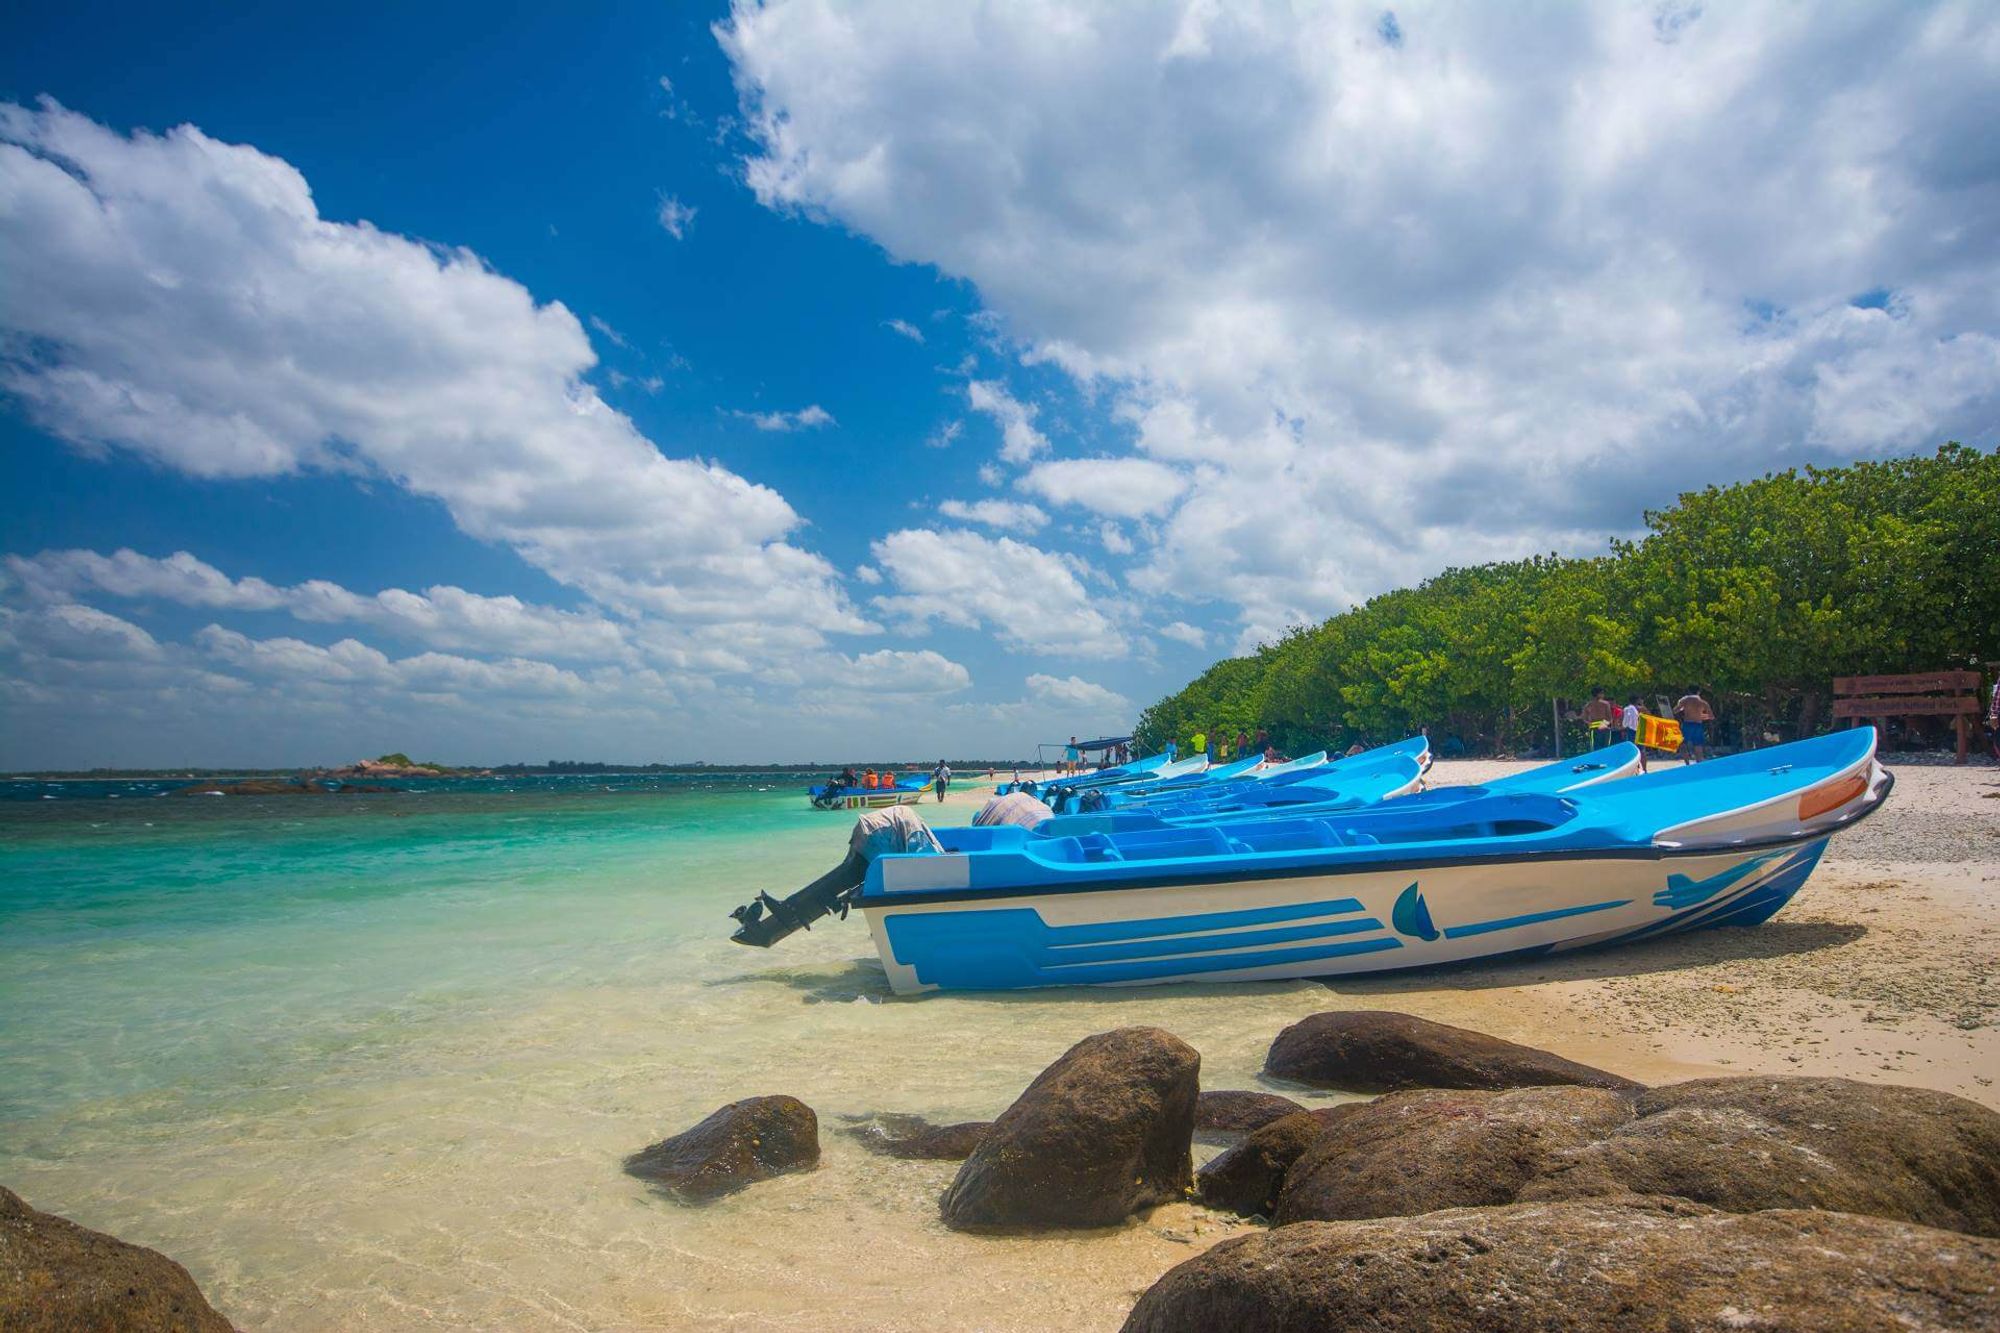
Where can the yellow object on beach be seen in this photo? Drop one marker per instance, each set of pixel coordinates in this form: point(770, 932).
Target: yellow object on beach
point(1659, 733)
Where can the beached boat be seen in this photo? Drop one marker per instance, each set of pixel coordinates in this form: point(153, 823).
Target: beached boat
point(1150, 766)
point(906, 790)
point(1269, 786)
point(1396, 885)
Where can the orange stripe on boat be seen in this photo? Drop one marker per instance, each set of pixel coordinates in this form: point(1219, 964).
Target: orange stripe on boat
point(1831, 795)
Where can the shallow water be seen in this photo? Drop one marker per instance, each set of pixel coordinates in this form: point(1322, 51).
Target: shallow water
point(374, 1061)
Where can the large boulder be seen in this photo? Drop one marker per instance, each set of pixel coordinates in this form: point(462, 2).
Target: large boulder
point(1372, 1050)
point(58, 1277)
point(1746, 1144)
point(1100, 1134)
point(1630, 1266)
point(1235, 1111)
point(746, 1141)
point(1246, 1179)
point(911, 1136)
point(1416, 1152)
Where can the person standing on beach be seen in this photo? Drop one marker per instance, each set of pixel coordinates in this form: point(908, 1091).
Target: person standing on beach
point(1629, 728)
point(941, 775)
point(1599, 715)
point(1695, 715)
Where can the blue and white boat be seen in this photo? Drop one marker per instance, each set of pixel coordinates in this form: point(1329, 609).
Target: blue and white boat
point(1400, 884)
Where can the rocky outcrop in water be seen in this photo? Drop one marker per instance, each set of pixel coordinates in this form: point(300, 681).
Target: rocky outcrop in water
point(1416, 1152)
point(744, 1142)
point(1368, 1050)
point(1234, 1111)
point(1246, 1179)
point(1102, 1133)
point(915, 1138)
point(1632, 1264)
point(279, 787)
point(58, 1277)
point(1746, 1144)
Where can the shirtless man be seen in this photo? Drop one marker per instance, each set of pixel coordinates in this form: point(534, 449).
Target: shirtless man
point(1600, 715)
point(1695, 715)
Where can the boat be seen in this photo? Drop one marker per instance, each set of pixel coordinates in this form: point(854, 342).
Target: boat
point(906, 790)
point(1396, 885)
point(1136, 768)
point(1269, 787)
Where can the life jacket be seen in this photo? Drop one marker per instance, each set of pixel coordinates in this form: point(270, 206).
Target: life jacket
point(869, 779)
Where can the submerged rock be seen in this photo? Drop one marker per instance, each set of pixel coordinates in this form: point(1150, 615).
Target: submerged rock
point(744, 1142)
point(913, 1137)
point(58, 1277)
point(1626, 1265)
point(1416, 1152)
point(1102, 1133)
point(1371, 1050)
point(1237, 1111)
point(1746, 1144)
point(1247, 1178)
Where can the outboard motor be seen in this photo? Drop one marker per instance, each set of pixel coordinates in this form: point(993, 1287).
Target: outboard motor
point(765, 920)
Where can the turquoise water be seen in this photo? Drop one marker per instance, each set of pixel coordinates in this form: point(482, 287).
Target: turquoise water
point(373, 1061)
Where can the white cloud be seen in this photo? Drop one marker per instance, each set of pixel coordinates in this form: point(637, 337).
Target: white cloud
point(868, 574)
point(810, 417)
point(440, 617)
point(72, 632)
point(996, 514)
point(1113, 539)
point(1075, 692)
point(944, 435)
point(1028, 597)
point(1491, 286)
point(612, 335)
point(904, 327)
point(1020, 441)
point(675, 217)
point(183, 299)
point(892, 671)
point(1121, 487)
point(1191, 635)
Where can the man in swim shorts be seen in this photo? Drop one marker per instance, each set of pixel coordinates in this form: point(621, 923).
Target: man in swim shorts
point(1695, 715)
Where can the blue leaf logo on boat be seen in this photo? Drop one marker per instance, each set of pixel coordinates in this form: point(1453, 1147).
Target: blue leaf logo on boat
point(1412, 915)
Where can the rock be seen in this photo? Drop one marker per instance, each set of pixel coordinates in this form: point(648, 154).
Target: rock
point(1629, 1266)
point(913, 1137)
point(1746, 1144)
point(1416, 1152)
point(58, 1277)
point(746, 1141)
point(1101, 1133)
point(1371, 1050)
point(1247, 1178)
point(1239, 1112)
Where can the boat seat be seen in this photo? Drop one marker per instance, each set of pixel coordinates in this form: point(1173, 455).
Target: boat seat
point(1099, 847)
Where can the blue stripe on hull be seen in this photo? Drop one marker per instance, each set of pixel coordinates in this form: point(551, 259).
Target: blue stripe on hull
point(1012, 947)
point(1509, 922)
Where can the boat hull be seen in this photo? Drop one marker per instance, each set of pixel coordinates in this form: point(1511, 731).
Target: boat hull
point(1327, 924)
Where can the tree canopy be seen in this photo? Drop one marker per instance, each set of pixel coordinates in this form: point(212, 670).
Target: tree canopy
point(1759, 592)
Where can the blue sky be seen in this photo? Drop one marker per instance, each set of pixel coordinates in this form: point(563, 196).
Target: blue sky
point(801, 382)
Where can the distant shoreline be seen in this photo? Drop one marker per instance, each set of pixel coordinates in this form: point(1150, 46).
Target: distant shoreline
point(960, 767)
